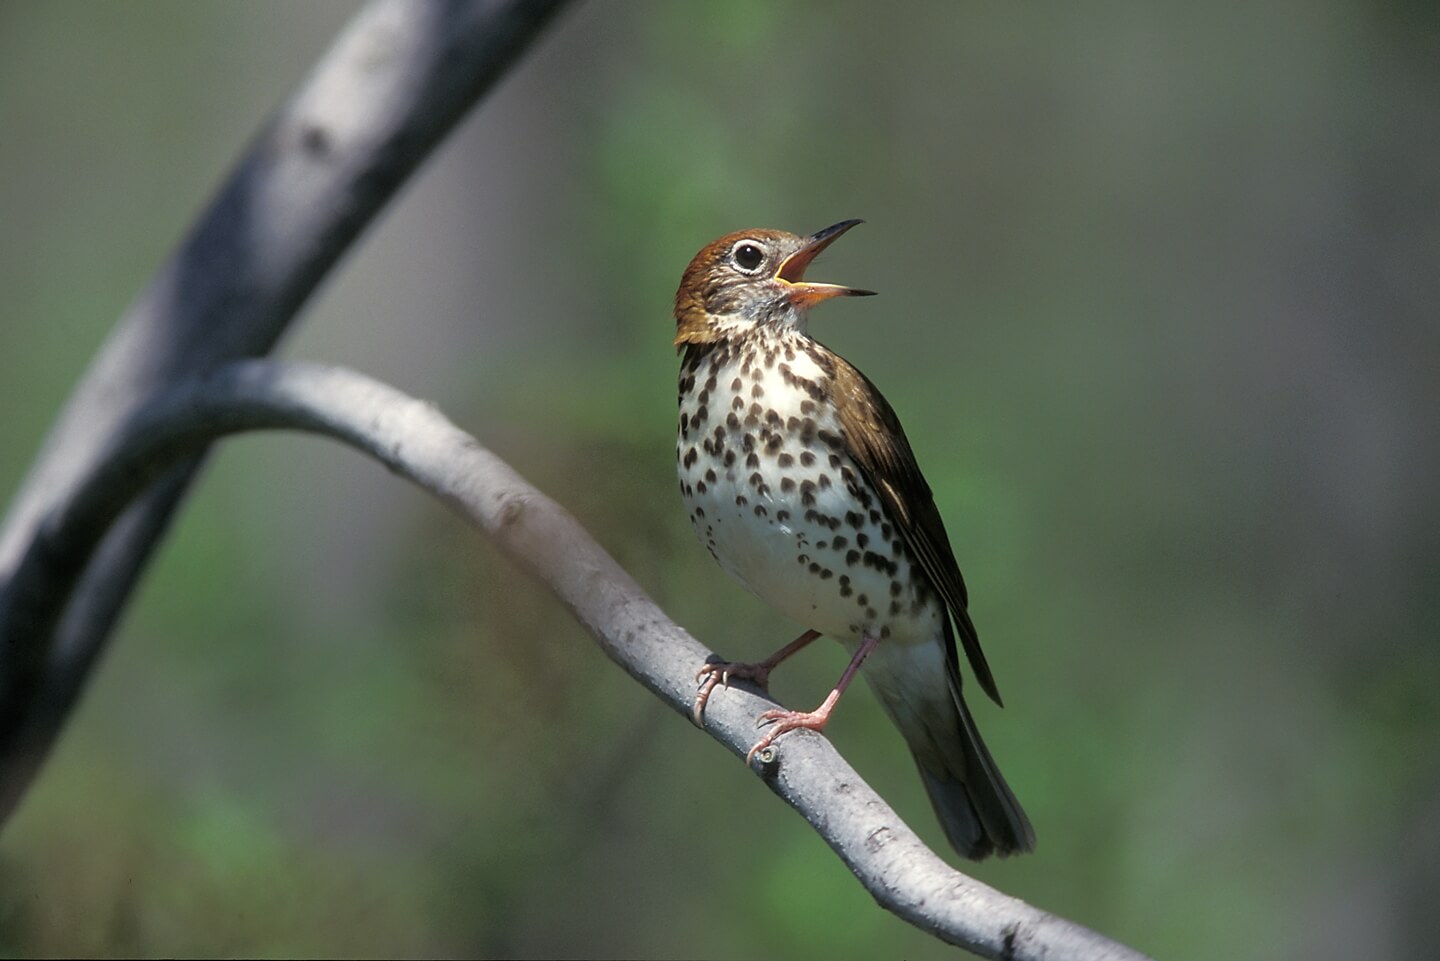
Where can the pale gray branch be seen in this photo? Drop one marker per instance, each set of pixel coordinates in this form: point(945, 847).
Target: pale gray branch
point(414, 440)
point(395, 82)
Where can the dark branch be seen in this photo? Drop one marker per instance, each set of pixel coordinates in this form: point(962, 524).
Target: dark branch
point(415, 441)
point(395, 82)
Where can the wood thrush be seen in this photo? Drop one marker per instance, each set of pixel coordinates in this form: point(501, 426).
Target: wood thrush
point(801, 483)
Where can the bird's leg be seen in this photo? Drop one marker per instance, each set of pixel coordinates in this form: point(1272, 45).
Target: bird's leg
point(720, 672)
point(815, 720)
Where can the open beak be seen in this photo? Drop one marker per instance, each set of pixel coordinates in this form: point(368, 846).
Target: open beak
point(792, 269)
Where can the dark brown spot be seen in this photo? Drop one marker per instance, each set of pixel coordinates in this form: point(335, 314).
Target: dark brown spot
point(700, 486)
point(807, 407)
point(757, 391)
point(894, 608)
point(691, 456)
point(773, 443)
point(729, 457)
point(787, 484)
point(855, 520)
point(760, 510)
point(785, 460)
point(806, 459)
point(752, 460)
point(851, 557)
point(896, 588)
point(782, 516)
point(814, 568)
point(699, 512)
point(741, 500)
point(737, 384)
point(862, 539)
point(824, 481)
point(826, 574)
point(840, 543)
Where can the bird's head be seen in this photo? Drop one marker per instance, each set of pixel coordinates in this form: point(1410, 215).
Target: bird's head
point(750, 279)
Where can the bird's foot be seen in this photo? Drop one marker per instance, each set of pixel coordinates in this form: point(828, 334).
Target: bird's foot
point(719, 674)
point(785, 721)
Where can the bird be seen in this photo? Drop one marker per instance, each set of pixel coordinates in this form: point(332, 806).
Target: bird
point(801, 483)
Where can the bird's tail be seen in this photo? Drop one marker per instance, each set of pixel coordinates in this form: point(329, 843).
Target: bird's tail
point(976, 807)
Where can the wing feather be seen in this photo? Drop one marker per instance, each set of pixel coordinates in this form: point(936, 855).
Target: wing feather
point(880, 449)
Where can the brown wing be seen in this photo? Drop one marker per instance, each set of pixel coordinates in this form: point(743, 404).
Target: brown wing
point(878, 444)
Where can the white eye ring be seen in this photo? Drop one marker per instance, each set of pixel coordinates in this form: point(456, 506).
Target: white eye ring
point(748, 256)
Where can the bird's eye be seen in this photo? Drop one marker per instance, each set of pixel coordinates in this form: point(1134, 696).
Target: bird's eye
point(747, 256)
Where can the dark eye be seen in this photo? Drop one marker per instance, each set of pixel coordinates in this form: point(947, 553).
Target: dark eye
point(747, 256)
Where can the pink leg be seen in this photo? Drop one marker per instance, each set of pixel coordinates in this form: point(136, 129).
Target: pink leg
point(815, 720)
point(721, 672)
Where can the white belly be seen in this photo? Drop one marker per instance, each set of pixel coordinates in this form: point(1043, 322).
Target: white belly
point(782, 516)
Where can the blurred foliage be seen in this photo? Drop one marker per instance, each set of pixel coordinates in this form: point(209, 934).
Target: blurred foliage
point(1159, 312)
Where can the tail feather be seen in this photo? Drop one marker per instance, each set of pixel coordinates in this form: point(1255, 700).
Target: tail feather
point(975, 806)
point(920, 690)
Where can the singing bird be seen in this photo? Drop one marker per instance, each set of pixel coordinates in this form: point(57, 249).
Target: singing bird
point(799, 480)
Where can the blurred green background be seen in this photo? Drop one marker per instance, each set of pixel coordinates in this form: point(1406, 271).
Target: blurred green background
point(1159, 310)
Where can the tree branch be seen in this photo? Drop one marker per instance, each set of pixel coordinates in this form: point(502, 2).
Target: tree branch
point(415, 441)
point(397, 79)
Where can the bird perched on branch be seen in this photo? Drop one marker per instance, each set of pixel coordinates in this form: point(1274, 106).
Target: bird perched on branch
point(799, 480)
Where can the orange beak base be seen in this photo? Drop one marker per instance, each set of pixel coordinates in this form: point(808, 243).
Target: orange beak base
point(792, 269)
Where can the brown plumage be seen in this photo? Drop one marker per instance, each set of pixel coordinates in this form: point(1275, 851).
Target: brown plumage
point(801, 483)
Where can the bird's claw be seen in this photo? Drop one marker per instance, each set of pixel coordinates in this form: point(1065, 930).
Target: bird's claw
point(786, 721)
point(719, 674)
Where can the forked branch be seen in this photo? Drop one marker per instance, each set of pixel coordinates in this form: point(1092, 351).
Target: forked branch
point(414, 440)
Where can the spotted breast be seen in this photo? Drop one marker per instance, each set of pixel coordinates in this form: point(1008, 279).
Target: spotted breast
point(775, 497)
